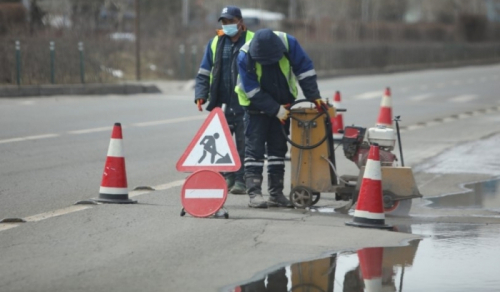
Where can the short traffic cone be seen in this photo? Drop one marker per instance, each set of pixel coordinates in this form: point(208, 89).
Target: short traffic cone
point(338, 120)
point(370, 208)
point(370, 262)
point(385, 114)
point(114, 178)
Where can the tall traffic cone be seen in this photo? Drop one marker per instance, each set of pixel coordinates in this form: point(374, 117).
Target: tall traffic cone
point(114, 178)
point(370, 262)
point(370, 208)
point(385, 114)
point(337, 121)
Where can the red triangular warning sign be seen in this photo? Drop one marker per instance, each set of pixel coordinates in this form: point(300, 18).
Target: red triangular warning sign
point(212, 148)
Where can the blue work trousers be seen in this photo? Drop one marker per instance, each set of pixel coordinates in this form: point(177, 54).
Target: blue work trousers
point(262, 130)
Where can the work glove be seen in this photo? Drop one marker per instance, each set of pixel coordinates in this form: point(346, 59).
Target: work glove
point(199, 102)
point(320, 105)
point(283, 113)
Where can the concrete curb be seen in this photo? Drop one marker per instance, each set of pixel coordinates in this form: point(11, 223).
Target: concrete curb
point(86, 89)
point(159, 86)
point(404, 68)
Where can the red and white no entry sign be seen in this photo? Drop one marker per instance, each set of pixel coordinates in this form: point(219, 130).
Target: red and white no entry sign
point(204, 192)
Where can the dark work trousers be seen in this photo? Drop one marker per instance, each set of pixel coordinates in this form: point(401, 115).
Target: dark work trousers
point(261, 129)
point(237, 126)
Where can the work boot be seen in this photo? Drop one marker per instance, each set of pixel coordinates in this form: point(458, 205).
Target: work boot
point(229, 181)
point(221, 213)
point(254, 190)
point(257, 201)
point(275, 188)
point(239, 188)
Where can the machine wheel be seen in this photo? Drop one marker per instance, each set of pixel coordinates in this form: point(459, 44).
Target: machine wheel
point(396, 208)
point(302, 197)
point(315, 198)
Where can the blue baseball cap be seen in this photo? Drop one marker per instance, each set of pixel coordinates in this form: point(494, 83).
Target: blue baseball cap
point(230, 12)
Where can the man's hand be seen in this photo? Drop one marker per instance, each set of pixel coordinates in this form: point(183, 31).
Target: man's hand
point(320, 105)
point(199, 102)
point(283, 113)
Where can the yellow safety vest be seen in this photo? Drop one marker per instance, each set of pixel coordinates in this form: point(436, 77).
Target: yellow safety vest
point(213, 47)
point(285, 67)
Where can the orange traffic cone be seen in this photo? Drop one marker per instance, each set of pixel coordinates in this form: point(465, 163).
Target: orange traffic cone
point(114, 178)
point(370, 208)
point(370, 261)
point(385, 114)
point(337, 121)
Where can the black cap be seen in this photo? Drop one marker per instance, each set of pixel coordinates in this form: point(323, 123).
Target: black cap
point(230, 12)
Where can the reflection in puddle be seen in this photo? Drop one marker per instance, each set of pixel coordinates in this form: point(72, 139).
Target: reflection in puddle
point(454, 257)
point(485, 195)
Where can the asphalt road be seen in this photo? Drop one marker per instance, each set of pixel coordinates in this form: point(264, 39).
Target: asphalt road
point(52, 153)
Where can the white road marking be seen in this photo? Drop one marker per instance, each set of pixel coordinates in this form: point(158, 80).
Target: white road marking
point(101, 129)
point(169, 185)
point(421, 97)
point(93, 130)
point(463, 98)
point(27, 138)
point(162, 187)
point(170, 121)
point(50, 214)
point(75, 208)
point(370, 95)
point(431, 123)
point(414, 127)
point(449, 119)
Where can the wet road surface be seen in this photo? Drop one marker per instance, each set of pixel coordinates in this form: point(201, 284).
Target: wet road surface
point(451, 257)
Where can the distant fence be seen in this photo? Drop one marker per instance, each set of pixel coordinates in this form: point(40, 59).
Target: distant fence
point(105, 61)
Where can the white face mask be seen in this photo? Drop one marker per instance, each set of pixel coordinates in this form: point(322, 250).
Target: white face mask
point(230, 29)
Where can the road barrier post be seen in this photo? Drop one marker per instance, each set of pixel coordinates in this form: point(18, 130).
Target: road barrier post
point(182, 60)
point(82, 63)
point(52, 57)
point(193, 59)
point(18, 63)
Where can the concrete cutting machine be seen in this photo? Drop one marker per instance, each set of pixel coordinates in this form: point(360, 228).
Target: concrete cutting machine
point(313, 166)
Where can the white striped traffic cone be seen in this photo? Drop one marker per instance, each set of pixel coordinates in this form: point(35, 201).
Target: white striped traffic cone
point(338, 120)
point(385, 114)
point(114, 187)
point(370, 261)
point(370, 207)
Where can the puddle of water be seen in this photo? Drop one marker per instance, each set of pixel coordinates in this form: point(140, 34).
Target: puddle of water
point(484, 195)
point(453, 257)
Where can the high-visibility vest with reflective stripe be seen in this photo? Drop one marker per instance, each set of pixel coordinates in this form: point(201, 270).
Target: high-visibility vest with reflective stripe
point(213, 48)
point(285, 67)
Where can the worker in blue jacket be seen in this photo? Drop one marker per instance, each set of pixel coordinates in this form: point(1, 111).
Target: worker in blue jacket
point(216, 80)
point(269, 66)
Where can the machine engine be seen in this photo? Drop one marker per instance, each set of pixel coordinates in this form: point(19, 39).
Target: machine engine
point(357, 150)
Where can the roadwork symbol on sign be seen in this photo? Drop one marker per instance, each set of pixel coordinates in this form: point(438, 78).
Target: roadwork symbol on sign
point(204, 192)
point(212, 148)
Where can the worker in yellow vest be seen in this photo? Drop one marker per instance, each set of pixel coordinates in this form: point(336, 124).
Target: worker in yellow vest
point(216, 80)
point(269, 66)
